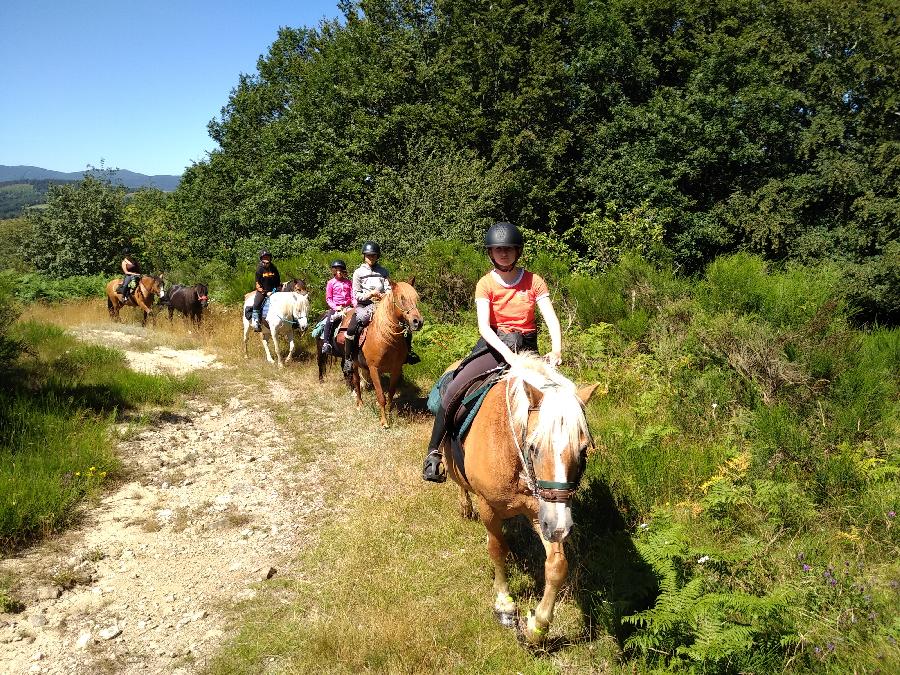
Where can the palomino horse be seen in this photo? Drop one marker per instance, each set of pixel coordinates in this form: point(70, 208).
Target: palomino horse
point(147, 288)
point(287, 311)
point(385, 350)
point(524, 455)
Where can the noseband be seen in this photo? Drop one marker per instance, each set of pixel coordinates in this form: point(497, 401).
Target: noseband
point(546, 490)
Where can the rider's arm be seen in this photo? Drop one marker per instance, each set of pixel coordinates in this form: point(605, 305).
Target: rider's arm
point(358, 291)
point(259, 277)
point(329, 295)
point(125, 269)
point(277, 278)
point(483, 307)
point(546, 306)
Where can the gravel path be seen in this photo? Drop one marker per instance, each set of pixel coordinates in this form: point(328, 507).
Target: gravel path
point(210, 510)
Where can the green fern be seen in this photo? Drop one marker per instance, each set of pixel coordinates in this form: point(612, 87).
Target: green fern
point(695, 628)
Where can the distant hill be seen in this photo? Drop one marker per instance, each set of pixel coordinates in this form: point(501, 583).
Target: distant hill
point(127, 178)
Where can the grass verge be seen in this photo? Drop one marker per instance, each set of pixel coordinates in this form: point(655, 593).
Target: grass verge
point(55, 448)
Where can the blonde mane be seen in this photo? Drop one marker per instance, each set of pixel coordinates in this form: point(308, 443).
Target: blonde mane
point(383, 324)
point(561, 417)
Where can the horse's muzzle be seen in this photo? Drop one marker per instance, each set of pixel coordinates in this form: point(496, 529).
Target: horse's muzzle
point(416, 324)
point(555, 519)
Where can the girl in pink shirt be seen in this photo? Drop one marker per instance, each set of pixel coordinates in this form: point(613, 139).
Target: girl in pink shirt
point(338, 295)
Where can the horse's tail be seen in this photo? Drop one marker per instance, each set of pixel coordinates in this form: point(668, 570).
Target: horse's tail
point(109, 302)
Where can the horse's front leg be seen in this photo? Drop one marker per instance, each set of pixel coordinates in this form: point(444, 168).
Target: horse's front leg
point(466, 510)
point(392, 387)
point(265, 343)
point(379, 395)
point(556, 567)
point(246, 334)
point(290, 353)
point(498, 550)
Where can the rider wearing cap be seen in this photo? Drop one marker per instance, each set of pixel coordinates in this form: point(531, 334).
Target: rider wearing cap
point(370, 283)
point(339, 296)
point(505, 299)
point(132, 270)
point(268, 280)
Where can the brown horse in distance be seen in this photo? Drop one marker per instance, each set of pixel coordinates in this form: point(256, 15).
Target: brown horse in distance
point(148, 287)
point(524, 455)
point(385, 350)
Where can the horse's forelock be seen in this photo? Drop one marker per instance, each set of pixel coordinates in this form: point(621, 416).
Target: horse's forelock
point(561, 414)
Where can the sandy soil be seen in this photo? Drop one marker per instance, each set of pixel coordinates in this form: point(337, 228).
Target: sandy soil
point(211, 508)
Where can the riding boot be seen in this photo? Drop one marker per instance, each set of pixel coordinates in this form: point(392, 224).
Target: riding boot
point(326, 335)
point(350, 345)
point(254, 321)
point(433, 470)
point(411, 357)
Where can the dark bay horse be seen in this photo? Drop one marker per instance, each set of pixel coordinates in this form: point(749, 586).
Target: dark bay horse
point(384, 350)
point(147, 289)
point(524, 455)
point(189, 300)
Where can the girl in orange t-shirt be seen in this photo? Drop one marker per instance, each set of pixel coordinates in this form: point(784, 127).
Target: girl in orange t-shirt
point(505, 299)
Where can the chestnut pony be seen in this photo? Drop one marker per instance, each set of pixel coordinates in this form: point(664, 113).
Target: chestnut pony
point(148, 287)
point(524, 455)
point(385, 350)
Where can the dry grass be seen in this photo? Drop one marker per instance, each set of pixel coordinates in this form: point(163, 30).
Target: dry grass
point(389, 578)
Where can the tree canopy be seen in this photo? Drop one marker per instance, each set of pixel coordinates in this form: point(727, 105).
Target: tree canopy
point(682, 128)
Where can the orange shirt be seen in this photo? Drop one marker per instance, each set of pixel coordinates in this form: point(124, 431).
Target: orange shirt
point(512, 307)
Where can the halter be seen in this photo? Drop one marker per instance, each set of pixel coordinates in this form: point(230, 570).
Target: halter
point(294, 322)
point(404, 322)
point(547, 490)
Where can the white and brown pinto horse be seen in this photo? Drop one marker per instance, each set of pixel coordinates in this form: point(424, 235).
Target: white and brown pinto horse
point(287, 312)
point(524, 455)
point(148, 287)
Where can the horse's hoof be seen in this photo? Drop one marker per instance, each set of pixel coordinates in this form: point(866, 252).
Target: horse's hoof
point(507, 619)
point(529, 632)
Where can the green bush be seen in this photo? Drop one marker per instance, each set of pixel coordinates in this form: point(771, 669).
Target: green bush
point(446, 273)
point(32, 286)
point(743, 284)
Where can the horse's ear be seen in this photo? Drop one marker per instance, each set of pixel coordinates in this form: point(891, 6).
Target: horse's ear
point(585, 393)
point(412, 281)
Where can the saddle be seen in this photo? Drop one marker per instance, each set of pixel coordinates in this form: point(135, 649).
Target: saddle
point(341, 331)
point(461, 410)
point(263, 312)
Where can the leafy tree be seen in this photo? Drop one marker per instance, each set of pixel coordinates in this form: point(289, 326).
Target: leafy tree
point(148, 222)
point(81, 231)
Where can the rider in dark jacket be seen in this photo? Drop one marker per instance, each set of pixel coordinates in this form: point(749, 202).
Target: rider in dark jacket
point(268, 280)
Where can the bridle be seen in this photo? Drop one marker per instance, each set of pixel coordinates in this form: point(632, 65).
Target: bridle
point(402, 323)
point(546, 490)
point(296, 322)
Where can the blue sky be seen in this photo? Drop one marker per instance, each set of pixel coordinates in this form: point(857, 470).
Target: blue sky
point(131, 83)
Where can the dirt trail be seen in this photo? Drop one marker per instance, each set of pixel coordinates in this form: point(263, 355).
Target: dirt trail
point(209, 510)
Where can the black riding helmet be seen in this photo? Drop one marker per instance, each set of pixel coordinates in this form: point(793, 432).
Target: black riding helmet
point(264, 253)
point(371, 248)
point(504, 234)
point(339, 265)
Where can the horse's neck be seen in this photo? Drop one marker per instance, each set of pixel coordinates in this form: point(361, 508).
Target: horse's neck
point(386, 324)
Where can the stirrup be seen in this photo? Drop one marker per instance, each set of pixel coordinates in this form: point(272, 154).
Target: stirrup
point(433, 470)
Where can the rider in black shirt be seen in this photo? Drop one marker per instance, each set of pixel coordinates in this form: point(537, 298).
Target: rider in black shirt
point(268, 280)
